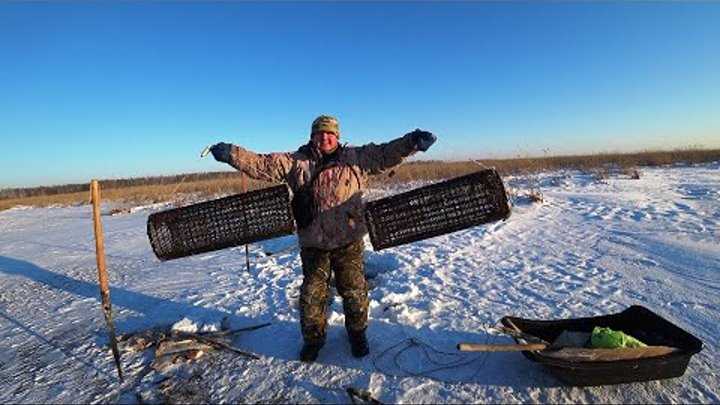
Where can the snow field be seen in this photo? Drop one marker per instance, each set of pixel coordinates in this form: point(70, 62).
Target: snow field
point(592, 247)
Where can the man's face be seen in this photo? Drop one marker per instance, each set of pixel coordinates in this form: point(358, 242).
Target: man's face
point(326, 141)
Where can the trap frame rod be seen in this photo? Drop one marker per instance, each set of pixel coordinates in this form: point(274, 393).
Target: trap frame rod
point(243, 185)
point(243, 181)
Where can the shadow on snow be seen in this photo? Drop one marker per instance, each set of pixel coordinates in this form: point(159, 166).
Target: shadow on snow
point(396, 350)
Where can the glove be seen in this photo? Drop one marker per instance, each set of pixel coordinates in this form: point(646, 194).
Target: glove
point(422, 140)
point(221, 152)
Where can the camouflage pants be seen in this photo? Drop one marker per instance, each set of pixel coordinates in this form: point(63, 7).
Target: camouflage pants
point(347, 264)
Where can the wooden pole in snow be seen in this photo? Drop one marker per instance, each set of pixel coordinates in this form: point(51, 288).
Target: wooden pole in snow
point(102, 273)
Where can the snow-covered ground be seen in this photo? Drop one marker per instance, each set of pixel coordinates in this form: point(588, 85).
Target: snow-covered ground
point(592, 247)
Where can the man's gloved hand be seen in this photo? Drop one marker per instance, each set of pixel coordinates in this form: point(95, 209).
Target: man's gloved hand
point(423, 140)
point(221, 152)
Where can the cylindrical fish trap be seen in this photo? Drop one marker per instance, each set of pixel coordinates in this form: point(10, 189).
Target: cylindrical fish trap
point(437, 209)
point(218, 224)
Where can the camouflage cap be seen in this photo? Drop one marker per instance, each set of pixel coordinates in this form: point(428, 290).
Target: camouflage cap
point(326, 123)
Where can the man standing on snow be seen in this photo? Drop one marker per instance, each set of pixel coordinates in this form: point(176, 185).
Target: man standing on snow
point(327, 180)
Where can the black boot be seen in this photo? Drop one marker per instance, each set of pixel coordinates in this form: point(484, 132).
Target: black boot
point(310, 351)
point(358, 344)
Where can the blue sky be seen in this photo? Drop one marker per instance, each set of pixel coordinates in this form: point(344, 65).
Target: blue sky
point(105, 90)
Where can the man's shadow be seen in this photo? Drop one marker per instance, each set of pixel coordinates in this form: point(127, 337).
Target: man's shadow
point(396, 350)
point(405, 351)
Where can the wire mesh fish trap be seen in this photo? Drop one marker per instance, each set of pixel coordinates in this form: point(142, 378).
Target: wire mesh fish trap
point(218, 224)
point(437, 209)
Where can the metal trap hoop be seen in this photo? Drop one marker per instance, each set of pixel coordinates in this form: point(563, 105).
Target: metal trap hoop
point(218, 224)
point(437, 209)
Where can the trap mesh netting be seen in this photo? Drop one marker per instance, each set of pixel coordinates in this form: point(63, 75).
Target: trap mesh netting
point(222, 223)
point(437, 209)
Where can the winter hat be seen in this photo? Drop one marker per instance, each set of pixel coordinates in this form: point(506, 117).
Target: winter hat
point(326, 123)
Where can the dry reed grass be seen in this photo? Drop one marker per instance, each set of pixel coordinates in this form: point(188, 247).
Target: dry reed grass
point(139, 195)
point(422, 170)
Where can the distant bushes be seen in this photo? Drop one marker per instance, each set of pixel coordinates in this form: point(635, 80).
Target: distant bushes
point(165, 188)
point(142, 194)
point(112, 184)
point(434, 170)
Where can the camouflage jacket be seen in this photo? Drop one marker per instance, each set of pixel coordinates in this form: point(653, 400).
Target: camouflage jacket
point(337, 189)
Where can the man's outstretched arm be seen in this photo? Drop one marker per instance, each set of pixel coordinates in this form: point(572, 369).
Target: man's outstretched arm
point(272, 167)
point(376, 158)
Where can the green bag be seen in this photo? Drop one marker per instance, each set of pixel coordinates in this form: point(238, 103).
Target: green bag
point(606, 338)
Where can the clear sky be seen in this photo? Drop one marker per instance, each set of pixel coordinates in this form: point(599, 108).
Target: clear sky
point(128, 89)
